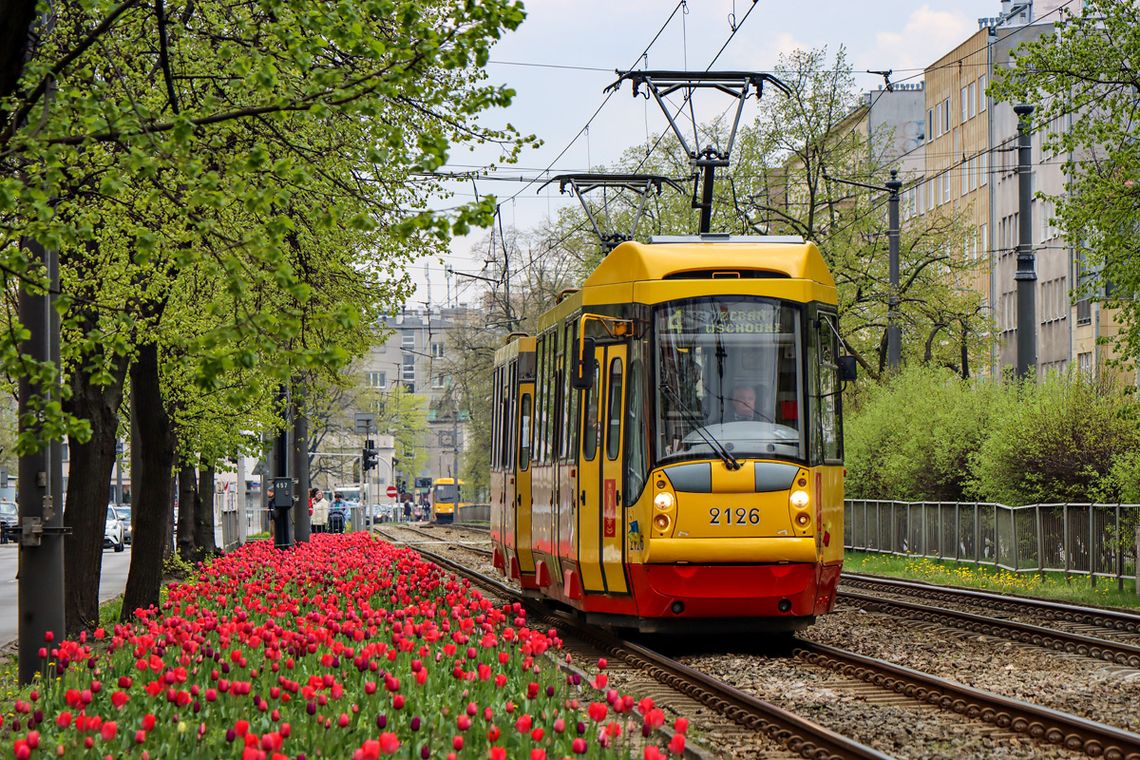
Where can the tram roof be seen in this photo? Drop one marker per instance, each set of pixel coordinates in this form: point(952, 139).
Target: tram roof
point(672, 257)
point(518, 343)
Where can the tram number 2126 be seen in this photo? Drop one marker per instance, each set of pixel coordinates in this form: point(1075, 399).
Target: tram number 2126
point(737, 516)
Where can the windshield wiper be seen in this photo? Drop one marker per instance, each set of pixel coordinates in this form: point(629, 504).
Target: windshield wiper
point(698, 427)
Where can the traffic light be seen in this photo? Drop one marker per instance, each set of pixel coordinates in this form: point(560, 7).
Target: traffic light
point(371, 459)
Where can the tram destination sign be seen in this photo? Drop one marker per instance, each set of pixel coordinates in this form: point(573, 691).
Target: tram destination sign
point(719, 318)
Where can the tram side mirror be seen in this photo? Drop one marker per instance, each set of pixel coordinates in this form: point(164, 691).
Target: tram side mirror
point(584, 364)
point(847, 368)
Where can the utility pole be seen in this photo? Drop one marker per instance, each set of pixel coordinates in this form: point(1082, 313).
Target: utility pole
point(1026, 276)
point(302, 528)
point(40, 492)
point(894, 343)
point(894, 335)
point(455, 453)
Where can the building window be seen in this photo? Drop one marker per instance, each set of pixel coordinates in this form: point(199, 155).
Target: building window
point(946, 115)
point(437, 350)
point(377, 379)
point(985, 241)
point(982, 93)
point(1084, 363)
point(965, 178)
point(983, 168)
point(930, 124)
point(973, 100)
point(938, 119)
point(437, 381)
point(409, 369)
point(965, 104)
point(407, 339)
point(946, 186)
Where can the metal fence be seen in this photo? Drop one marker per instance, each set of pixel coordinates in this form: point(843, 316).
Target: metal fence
point(474, 513)
point(1097, 540)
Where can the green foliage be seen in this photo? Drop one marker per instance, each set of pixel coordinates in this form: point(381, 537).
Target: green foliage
point(1057, 441)
point(1083, 81)
point(912, 437)
point(235, 182)
point(928, 435)
point(174, 566)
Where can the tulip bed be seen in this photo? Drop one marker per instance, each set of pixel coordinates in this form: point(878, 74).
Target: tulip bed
point(345, 647)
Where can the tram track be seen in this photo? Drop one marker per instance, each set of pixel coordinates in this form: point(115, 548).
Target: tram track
point(768, 724)
point(892, 682)
point(1089, 640)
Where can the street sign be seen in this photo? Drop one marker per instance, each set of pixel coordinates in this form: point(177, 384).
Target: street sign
point(392, 492)
point(364, 422)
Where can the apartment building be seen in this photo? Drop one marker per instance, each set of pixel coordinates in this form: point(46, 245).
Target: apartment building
point(415, 356)
point(971, 172)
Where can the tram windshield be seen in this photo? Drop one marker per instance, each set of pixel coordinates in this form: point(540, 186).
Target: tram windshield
point(729, 385)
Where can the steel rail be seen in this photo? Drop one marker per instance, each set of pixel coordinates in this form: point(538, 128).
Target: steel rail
point(1119, 620)
point(799, 735)
point(1044, 724)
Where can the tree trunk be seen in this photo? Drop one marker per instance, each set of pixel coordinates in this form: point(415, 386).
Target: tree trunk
point(187, 511)
point(205, 545)
point(153, 494)
point(89, 491)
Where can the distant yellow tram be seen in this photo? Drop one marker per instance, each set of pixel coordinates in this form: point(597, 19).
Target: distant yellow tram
point(667, 449)
point(446, 499)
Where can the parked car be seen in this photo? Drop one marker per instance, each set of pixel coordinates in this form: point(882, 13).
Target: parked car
point(123, 512)
point(114, 534)
point(382, 513)
point(9, 519)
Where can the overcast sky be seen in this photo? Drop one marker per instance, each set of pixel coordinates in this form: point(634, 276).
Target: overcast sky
point(564, 54)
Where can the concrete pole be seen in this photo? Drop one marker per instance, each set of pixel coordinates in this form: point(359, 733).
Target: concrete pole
point(1026, 276)
point(301, 525)
point(894, 338)
point(41, 591)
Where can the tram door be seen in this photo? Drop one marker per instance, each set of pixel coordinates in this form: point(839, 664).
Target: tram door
point(523, 499)
point(510, 490)
point(600, 522)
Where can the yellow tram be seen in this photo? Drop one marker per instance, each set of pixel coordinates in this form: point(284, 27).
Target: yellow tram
point(446, 499)
point(667, 449)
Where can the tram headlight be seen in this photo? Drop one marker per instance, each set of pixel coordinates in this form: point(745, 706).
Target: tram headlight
point(800, 499)
point(802, 519)
point(663, 500)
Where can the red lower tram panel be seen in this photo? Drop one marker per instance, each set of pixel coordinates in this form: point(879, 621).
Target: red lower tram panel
point(686, 598)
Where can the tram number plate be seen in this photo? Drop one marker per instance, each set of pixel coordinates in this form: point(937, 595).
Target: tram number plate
point(734, 516)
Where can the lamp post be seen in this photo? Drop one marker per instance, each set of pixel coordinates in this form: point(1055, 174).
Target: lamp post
point(1026, 276)
point(894, 336)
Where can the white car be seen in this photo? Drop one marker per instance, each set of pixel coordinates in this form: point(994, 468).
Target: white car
point(114, 533)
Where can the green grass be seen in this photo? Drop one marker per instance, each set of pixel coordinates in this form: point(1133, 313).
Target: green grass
point(1074, 589)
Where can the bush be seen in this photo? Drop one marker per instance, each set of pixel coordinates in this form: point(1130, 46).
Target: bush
point(912, 438)
point(1064, 439)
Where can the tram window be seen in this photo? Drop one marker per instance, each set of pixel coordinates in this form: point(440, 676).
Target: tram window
point(635, 426)
point(590, 423)
point(729, 367)
point(495, 420)
point(573, 396)
point(539, 395)
point(524, 433)
point(512, 411)
point(556, 419)
point(830, 391)
point(613, 412)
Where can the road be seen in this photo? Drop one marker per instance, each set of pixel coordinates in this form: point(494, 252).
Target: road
point(112, 583)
